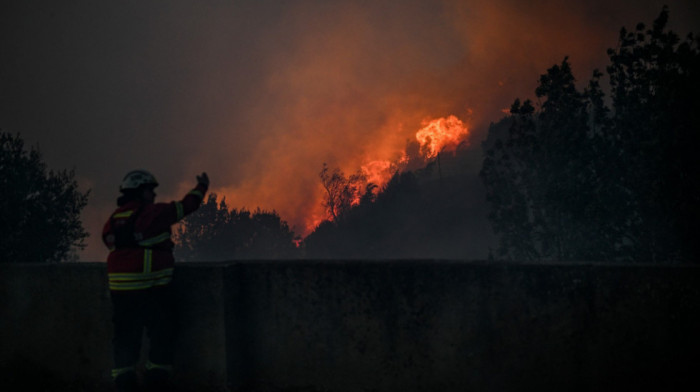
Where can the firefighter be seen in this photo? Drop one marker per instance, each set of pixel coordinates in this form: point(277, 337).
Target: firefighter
point(140, 270)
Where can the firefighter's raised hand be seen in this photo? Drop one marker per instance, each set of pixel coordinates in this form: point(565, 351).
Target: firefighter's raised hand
point(203, 179)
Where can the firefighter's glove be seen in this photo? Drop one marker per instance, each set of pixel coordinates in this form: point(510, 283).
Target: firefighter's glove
point(203, 179)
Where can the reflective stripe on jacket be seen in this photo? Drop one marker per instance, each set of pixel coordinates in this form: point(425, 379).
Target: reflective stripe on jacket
point(143, 279)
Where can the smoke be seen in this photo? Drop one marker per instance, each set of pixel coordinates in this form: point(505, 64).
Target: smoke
point(260, 94)
point(349, 83)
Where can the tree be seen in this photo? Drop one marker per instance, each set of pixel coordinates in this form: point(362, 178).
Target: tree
point(578, 180)
point(655, 79)
point(509, 183)
point(540, 178)
point(205, 234)
point(342, 192)
point(40, 209)
point(214, 232)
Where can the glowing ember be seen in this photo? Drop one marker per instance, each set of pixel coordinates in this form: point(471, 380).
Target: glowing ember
point(441, 133)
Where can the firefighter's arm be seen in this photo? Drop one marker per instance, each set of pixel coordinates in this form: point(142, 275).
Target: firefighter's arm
point(193, 199)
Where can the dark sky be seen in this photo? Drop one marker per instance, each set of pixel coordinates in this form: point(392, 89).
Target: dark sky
point(261, 93)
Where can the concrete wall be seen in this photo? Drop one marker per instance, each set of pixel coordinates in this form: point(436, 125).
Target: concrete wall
point(56, 328)
point(371, 326)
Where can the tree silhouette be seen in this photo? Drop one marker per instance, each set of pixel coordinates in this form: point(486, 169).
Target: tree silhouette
point(214, 232)
point(541, 179)
point(655, 79)
point(578, 180)
point(341, 192)
point(40, 209)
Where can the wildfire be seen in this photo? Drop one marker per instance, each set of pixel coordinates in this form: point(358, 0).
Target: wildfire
point(378, 172)
point(434, 136)
point(440, 133)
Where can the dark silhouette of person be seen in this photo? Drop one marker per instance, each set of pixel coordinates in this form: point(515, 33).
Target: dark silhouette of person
point(140, 269)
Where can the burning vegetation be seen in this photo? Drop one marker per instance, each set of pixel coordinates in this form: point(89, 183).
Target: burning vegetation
point(567, 179)
point(441, 134)
point(342, 192)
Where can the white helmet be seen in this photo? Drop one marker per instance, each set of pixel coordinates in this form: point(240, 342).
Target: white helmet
point(138, 178)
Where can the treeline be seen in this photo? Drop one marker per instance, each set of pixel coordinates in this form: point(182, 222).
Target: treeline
point(585, 176)
point(434, 212)
point(214, 233)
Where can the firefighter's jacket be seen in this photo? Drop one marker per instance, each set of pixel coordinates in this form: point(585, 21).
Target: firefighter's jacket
point(146, 259)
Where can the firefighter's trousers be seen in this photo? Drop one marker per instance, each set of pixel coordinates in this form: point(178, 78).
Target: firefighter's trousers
point(153, 309)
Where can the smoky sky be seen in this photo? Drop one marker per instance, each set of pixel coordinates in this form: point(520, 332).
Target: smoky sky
point(261, 93)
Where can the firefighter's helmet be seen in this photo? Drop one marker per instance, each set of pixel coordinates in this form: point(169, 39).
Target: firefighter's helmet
point(136, 179)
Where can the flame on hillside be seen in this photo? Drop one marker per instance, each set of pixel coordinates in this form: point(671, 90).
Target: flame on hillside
point(435, 135)
point(378, 172)
point(440, 134)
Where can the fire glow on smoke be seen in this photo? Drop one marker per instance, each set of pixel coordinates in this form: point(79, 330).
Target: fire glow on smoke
point(435, 136)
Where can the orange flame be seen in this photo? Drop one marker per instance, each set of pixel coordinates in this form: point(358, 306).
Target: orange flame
point(378, 172)
point(440, 133)
point(435, 136)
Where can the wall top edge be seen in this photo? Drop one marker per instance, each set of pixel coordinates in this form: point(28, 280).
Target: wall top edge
point(384, 262)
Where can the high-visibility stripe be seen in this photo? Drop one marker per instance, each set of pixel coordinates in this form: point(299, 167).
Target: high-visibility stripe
point(123, 214)
point(147, 261)
point(163, 281)
point(150, 366)
point(130, 286)
point(196, 193)
point(137, 285)
point(155, 240)
point(180, 210)
point(129, 276)
point(119, 371)
point(139, 280)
